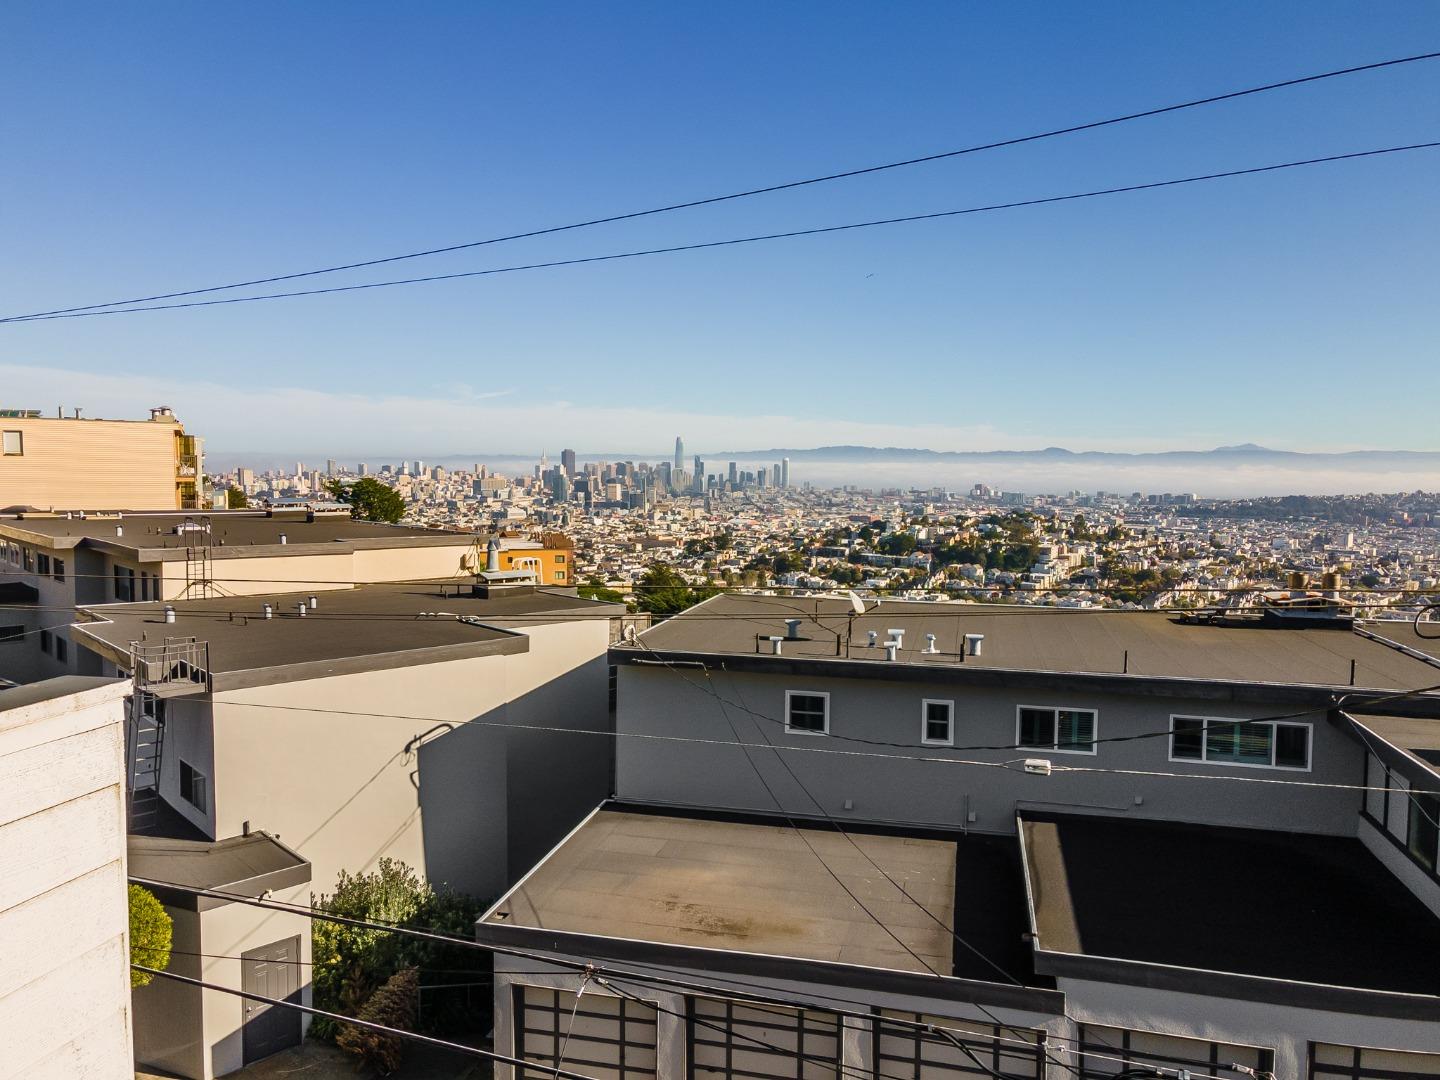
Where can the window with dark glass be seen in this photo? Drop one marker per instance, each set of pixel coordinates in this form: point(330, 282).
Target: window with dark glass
point(62, 648)
point(12, 633)
point(937, 718)
point(58, 568)
point(807, 712)
point(192, 785)
point(42, 563)
point(1423, 829)
point(46, 640)
point(1070, 730)
point(1223, 741)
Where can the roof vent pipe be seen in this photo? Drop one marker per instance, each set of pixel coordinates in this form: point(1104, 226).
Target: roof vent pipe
point(314, 602)
point(300, 609)
point(892, 651)
point(897, 635)
point(930, 644)
point(974, 643)
point(267, 610)
point(776, 642)
point(283, 538)
point(169, 614)
point(792, 629)
point(492, 555)
point(873, 634)
point(119, 530)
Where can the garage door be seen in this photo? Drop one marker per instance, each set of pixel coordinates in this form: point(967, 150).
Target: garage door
point(761, 1042)
point(608, 1038)
point(962, 1048)
point(1106, 1051)
point(1329, 1062)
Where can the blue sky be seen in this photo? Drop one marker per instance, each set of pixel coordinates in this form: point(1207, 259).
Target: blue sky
point(157, 146)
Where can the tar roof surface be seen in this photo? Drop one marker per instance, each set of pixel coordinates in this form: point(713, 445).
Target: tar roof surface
point(1318, 909)
point(1420, 738)
point(209, 864)
point(50, 690)
point(367, 620)
point(751, 887)
point(228, 530)
point(1069, 640)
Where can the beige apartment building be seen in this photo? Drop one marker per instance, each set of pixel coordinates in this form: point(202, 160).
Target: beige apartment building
point(71, 463)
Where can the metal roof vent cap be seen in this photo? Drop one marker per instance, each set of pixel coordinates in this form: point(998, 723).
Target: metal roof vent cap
point(314, 602)
point(267, 610)
point(930, 648)
point(892, 651)
point(300, 609)
point(776, 641)
point(284, 539)
point(169, 613)
point(792, 629)
point(119, 530)
point(873, 635)
point(974, 644)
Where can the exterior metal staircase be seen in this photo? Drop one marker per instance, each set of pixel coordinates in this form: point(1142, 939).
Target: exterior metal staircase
point(179, 666)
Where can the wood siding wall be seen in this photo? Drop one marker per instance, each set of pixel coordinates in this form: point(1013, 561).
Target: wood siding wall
point(92, 465)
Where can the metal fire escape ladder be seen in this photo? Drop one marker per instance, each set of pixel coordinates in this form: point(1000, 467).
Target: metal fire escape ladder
point(178, 667)
point(199, 549)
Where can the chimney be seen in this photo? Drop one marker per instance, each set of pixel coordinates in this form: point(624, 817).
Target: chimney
point(1330, 582)
point(792, 629)
point(1297, 583)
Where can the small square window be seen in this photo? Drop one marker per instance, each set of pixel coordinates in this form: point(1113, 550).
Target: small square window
point(807, 712)
point(192, 786)
point(1070, 731)
point(1292, 746)
point(1187, 739)
point(937, 722)
point(12, 443)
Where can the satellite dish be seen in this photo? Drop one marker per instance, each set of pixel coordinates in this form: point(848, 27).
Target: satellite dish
point(856, 604)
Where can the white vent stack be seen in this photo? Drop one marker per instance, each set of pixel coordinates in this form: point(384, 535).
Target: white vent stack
point(492, 555)
point(974, 643)
point(119, 530)
point(300, 609)
point(776, 641)
point(792, 629)
point(897, 637)
point(892, 650)
point(873, 635)
point(314, 602)
point(930, 648)
point(169, 614)
point(267, 610)
point(283, 538)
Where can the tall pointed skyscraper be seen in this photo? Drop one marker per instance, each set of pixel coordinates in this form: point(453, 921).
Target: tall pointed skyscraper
point(679, 453)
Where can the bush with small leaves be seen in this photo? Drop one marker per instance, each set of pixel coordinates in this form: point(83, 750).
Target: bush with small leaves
point(393, 1005)
point(150, 934)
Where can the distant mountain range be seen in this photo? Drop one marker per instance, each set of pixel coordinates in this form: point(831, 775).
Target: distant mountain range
point(1246, 453)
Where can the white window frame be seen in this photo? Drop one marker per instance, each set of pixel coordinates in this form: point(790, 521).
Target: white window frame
point(1204, 758)
point(925, 739)
point(19, 442)
point(823, 695)
point(1057, 709)
point(195, 774)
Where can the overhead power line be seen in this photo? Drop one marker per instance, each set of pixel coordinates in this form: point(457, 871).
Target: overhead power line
point(790, 234)
point(769, 189)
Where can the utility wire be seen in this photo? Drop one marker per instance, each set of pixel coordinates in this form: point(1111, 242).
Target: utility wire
point(789, 234)
point(399, 1033)
point(1015, 141)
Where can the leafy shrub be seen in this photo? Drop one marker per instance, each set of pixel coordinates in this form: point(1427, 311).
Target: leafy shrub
point(151, 930)
point(392, 1005)
point(350, 963)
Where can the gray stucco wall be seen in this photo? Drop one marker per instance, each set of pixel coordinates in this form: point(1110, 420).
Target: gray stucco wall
point(656, 700)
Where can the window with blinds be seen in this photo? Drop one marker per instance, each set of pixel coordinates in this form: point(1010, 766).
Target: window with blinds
point(955, 1048)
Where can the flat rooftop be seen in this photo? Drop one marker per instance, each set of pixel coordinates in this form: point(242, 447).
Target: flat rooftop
point(249, 865)
point(1278, 905)
point(406, 622)
point(1038, 639)
point(233, 532)
point(753, 886)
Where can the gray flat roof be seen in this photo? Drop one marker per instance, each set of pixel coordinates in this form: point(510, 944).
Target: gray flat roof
point(1292, 907)
point(233, 532)
point(1038, 639)
point(741, 886)
point(370, 625)
point(248, 865)
point(1415, 740)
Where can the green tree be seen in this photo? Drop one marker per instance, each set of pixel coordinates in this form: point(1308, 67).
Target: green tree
point(151, 930)
point(369, 499)
point(350, 963)
point(235, 499)
point(596, 589)
point(662, 591)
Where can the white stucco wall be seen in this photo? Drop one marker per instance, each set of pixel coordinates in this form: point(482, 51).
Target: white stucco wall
point(64, 924)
